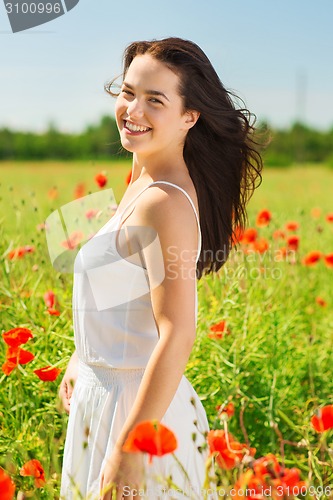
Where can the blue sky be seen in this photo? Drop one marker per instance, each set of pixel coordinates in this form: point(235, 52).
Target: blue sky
point(275, 54)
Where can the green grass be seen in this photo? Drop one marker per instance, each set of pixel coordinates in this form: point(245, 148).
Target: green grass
point(276, 363)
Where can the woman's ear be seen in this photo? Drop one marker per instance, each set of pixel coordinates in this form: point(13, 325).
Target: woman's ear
point(191, 118)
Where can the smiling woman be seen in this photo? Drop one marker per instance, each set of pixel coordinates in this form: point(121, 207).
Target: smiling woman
point(135, 314)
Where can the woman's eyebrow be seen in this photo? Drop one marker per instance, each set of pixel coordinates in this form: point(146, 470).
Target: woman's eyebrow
point(150, 92)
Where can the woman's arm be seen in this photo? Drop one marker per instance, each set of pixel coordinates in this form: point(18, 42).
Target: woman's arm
point(173, 303)
point(67, 384)
point(161, 379)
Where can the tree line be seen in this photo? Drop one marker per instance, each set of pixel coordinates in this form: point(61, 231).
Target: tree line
point(297, 144)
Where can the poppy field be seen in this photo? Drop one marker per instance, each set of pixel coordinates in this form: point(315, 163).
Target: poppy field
point(261, 363)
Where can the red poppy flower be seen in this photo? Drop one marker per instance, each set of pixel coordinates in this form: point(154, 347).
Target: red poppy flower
point(329, 260)
point(293, 242)
point(8, 367)
point(128, 177)
point(312, 258)
point(268, 464)
point(53, 312)
point(215, 335)
point(249, 235)
point(266, 472)
point(322, 302)
point(49, 298)
point(323, 419)
point(291, 226)
point(79, 190)
point(219, 327)
point(269, 467)
point(73, 240)
point(290, 478)
point(230, 452)
point(150, 436)
point(217, 330)
point(14, 357)
point(35, 469)
point(260, 245)
point(101, 179)
point(228, 409)
point(329, 217)
point(7, 487)
point(237, 235)
point(19, 356)
point(248, 486)
point(47, 374)
point(263, 218)
point(17, 336)
point(18, 253)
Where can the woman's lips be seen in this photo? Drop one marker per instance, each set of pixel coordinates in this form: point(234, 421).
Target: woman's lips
point(133, 129)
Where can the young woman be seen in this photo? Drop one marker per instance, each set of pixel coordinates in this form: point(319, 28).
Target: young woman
point(135, 284)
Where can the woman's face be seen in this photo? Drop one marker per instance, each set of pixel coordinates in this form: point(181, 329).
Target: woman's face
point(149, 110)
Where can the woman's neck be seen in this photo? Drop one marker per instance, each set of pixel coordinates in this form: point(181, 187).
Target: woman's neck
point(145, 170)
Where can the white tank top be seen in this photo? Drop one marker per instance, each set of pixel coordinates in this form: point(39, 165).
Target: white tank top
point(114, 325)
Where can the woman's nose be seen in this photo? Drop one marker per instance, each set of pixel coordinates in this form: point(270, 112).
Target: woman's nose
point(134, 109)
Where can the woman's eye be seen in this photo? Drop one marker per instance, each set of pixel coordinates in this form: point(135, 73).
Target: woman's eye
point(127, 92)
point(155, 100)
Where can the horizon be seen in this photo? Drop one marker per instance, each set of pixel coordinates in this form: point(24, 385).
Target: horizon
point(52, 125)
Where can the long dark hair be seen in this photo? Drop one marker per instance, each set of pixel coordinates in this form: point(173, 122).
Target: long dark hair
point(220, 151)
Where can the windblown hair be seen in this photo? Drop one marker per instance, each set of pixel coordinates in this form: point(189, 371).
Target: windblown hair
point(220, 150)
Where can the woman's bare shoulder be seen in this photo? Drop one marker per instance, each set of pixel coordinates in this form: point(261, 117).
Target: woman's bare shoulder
point(163, 201)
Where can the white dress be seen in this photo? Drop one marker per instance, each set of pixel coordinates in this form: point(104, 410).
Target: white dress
point(115, 334)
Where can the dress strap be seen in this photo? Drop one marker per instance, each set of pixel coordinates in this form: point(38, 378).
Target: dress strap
point(189, 199)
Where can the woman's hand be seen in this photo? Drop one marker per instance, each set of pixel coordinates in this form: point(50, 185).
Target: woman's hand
point(68, 382)
point(125, 471)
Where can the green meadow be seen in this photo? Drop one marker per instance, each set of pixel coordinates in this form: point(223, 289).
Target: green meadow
point(274, 363)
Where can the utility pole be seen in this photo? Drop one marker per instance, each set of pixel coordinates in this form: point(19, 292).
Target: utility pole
point(301, 90)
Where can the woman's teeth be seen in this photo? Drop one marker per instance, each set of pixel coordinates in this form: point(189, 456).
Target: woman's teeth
point(136, 128)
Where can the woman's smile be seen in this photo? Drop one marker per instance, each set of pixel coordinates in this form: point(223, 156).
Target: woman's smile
point(135, 128)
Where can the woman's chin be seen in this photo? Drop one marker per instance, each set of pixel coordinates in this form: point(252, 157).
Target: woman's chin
point(128, 146)
point(132, 148)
